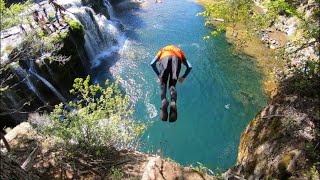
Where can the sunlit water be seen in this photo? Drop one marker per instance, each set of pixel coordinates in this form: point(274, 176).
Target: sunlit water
point(215, 102)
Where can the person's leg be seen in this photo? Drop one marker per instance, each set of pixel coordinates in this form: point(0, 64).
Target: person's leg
point(164, 76)
point(174, 75)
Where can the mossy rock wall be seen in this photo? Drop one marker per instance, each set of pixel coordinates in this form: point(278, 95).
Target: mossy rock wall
point(280, 142)
point(60, 74)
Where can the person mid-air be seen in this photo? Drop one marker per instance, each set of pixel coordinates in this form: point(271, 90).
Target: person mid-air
point(169, 59)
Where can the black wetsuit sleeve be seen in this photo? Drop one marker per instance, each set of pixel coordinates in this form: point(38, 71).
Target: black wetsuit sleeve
point(153, 64)
point(189, 67)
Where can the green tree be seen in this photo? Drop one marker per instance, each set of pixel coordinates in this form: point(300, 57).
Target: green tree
point(100, 117)
point(229, 13)
point(244, 14)
point(2, 6)
point(11, 16)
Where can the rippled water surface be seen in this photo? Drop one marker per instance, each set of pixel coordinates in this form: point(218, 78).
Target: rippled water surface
point(215, 102)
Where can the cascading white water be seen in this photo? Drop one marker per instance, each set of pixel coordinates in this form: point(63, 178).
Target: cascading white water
point(12, 98)
point(103, 37)
point(49, 69)
point(107, 4)
point(32, 70)
point(25, 77)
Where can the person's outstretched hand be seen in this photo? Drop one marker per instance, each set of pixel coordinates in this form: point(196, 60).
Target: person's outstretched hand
point(181, 79)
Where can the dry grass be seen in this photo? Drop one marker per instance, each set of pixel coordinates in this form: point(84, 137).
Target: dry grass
point(55, 161)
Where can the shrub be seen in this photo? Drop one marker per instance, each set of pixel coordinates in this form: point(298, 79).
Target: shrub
point(76, 28)
point(116, 174)
point(10, 16)
point(99, 117)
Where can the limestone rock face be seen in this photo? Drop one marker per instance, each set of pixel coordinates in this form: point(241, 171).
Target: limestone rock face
point(161, 169)
point(280, 142)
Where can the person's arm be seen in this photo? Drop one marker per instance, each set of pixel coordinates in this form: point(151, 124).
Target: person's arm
point(154, 65)
point(186, 63)
point(189, 67)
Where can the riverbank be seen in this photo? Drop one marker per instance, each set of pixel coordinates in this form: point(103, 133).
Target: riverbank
point(282, 141)
point(265, 57)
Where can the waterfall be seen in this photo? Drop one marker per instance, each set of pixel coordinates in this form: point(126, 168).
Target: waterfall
point(13, 99)
point(32, 70)
point(48, 68)
point(107, 4)
point(103, 37)
point(49, 85)
point(25, 77)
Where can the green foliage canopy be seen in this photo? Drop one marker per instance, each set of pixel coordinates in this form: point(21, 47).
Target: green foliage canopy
point(229, 12)
point(232, 12)
point(100, 117)
point(11, 16)
point(77, 28)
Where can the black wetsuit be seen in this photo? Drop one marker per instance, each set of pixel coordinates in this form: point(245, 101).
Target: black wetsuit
point(170, 59)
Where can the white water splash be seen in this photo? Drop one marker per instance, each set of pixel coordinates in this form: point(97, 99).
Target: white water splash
point(151, 108)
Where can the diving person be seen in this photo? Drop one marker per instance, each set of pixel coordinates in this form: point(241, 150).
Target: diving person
point(170, 59)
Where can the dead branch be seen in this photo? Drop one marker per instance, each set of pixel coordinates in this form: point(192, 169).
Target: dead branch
point(6, 144)
point(11, 111)
point(28, 162)
point(272, 116)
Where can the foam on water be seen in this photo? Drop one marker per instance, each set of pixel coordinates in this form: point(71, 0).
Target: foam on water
point(151, 108)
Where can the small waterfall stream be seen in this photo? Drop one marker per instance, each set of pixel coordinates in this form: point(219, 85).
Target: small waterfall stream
point(32, 70)
point(24, 76)
point(48, 68)
point(107, 4)
point(49, 85)
point(12, 98)
point(102, 38)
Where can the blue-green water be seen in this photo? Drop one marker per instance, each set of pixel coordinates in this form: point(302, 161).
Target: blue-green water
point(215, 102)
